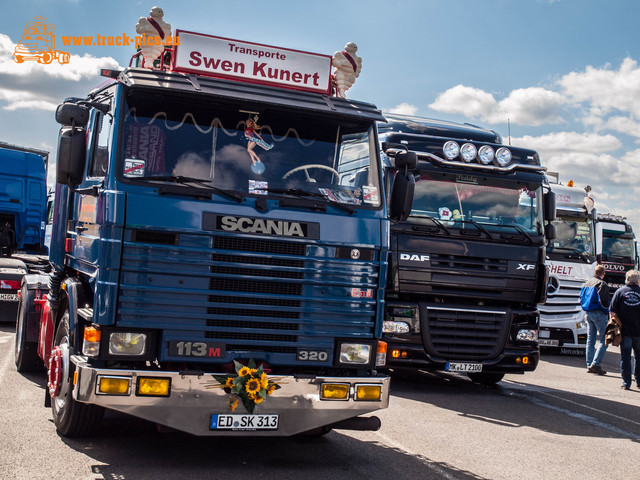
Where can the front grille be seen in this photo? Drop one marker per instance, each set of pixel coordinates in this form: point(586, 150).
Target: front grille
point(453, 333)
point(260, 298)
point(562, 304)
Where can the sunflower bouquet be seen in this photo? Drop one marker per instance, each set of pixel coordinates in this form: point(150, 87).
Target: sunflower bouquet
point(250, 384)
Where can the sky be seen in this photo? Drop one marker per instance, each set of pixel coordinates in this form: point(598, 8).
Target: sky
point(561, 77)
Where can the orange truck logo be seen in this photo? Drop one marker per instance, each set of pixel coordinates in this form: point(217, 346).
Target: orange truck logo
point(38, 43)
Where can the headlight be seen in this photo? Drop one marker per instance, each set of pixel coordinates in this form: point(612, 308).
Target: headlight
point(127, 343)
point(527, 335)
point(503, 156)
point(486, 154)
point(395, 327)
point(451, 150)
point(355, 353)
point(581, 324)
point(468, 152)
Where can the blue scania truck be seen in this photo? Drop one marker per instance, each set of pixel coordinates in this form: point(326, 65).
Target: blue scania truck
point(23, 199)
point(183, 267)
point(467, 267)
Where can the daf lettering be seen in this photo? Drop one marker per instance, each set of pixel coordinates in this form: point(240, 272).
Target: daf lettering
point(526, 266)
point(258, 225)
point(414, 257)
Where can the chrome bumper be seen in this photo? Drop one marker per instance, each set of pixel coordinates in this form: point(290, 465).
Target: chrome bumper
point(190, 404)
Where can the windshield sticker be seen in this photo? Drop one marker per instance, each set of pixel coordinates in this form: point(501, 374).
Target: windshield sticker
point(328, 194)
point(370, 194)
point(134, 168)
point(351, 197)
point(445, 213)
point(253, 138)
point(258, 188)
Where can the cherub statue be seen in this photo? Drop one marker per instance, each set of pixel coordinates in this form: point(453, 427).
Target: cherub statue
point(348, 67)
point(151, 27)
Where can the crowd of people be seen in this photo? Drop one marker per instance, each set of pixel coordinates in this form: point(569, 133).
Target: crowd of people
point(613, 320)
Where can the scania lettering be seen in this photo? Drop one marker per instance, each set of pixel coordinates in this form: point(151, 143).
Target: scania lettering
point(615, 248)
point(467, 266)
point(570, 257)
point(270, 227)
point(219, 252)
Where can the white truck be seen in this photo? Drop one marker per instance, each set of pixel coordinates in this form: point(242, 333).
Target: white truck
point(571, 260)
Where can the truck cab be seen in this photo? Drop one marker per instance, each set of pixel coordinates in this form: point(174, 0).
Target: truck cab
point(615, 248)
point(467, 266)
point(571, 260)
point(212, 234)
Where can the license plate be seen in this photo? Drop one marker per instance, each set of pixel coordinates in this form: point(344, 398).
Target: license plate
point(9, 297)
point(463, 367)
point(243, 422)
point(548, 343)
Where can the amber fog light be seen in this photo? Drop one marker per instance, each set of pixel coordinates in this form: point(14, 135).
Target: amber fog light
point(368, 392)
point(154, 387)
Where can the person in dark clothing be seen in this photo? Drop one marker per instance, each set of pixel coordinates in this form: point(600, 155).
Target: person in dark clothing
point(625, 304)
point(597, 319)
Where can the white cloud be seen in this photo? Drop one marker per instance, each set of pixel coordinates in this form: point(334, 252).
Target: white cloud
point(569, 142)
point(31, 85)
point(605, 90)
point(525, 106)
point(463, 100)
point(404, 109)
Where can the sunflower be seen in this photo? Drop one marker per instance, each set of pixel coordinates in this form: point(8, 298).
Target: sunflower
point(253, 386)
point(244, 371)
point(258, 400)
point(271, 389)
point(229, 382)
point(264, 381)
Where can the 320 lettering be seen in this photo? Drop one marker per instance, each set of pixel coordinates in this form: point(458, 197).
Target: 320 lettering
point(196, 349)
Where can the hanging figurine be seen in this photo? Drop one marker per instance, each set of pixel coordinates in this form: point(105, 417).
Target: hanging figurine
point(348, 67)
point(253, 138)
point(151, 27)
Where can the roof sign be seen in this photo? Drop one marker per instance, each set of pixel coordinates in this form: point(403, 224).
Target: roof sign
point(252, 62)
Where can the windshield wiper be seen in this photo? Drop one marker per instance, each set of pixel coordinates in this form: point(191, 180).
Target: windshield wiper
point(200, 182)
point(576, 251)
point(519, 229)
point(478, 226)
point(437, 224)
point(297, 192)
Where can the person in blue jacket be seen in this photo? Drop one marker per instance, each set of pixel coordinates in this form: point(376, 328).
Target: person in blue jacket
point(594, 299)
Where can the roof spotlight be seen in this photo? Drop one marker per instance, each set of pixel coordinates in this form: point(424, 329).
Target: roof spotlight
point(485, 154)
point(468, 152)
point(503, 156)
point(451, 150)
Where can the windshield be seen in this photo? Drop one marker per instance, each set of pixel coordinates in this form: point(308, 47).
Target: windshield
point(618, 247)
point(458, 199)
point(250, 148)
point(574, 234)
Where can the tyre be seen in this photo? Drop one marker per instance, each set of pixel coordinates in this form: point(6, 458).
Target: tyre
point(71, 418)
point(487, 379)
point(25, 353)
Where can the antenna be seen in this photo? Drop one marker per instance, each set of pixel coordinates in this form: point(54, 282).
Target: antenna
point(509, 129)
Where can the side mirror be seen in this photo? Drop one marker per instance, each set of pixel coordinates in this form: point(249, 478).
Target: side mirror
point(71, 114)
point(406, 160)
point(549, 206)
point(402, 196)
point(550, 231)
point(72, 148)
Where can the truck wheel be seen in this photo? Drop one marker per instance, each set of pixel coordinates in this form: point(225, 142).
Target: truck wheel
point(487, 379)
point(71, 418)
point(26, 353)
